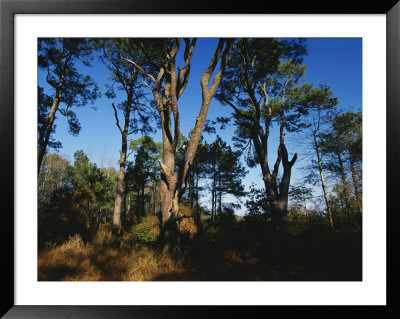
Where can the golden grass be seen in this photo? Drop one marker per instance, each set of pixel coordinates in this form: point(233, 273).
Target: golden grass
point(75, 260)
point(66, 261)
point(187, 225)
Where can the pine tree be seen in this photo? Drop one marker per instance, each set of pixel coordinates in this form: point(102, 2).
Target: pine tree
point(58, 57)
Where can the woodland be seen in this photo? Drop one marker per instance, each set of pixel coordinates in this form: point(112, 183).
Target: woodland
point(176, 208)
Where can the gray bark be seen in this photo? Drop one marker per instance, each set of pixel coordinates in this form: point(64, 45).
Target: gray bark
point(45, 132)
point(116, 224)
point(324, 189)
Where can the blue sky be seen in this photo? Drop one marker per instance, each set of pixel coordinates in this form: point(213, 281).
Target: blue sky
point(336, 62)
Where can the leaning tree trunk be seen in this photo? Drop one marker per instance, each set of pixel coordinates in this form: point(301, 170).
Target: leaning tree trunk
point(324, 189)
point(45, 131)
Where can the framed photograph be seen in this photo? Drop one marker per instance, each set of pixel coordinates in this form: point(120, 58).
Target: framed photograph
point(366, 36)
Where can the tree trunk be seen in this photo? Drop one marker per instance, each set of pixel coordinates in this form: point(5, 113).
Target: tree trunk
point(345, 186)
point(213, 198)
point(279, 208)
point(171, 188)
point(138, 203)
point(357, 193)
point(168, 184)
point(277, 195)
point(324, 189)
point(219, 195)
point(169, 230)
point(197, 190)
point(116, 225)
point(356, 188)
point(45, 131)
point(127, 209)
point(169, 198)
point(142, 202)
point(196, 196)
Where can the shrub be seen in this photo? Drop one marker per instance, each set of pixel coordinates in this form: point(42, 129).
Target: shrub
point(146, 232)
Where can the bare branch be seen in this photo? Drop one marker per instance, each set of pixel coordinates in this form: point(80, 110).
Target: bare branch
point(285, 158)
point(116, 118)
point(120, 78)
point(291, 163)
point(263, 88)
point(183, 76)
point(278, 161)
point(140, 68)
point(183, 190)
point(130, 153)
point(145, 83)
point(239, 112)
point(205, 79)
point(224, 60)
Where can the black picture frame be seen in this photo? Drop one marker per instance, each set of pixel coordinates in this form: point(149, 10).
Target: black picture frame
point(9, 8)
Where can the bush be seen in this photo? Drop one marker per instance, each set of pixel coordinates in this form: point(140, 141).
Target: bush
point(146, 232)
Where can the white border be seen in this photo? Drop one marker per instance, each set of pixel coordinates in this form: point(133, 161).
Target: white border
point(372, 290)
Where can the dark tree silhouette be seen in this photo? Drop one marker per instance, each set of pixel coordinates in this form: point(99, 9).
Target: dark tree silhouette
point(59, 57)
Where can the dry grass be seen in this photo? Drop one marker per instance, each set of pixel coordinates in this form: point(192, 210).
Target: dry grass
point(75, 260)
point(67, 261)
point(221, 254)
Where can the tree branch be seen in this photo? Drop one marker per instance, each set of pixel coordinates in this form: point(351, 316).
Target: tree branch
point(116, 118)
point(183, 76)
point(140, 68)
point(224, 60)
point(120, 78)
point(278, 161)
point(205, 79)
point(239, 112)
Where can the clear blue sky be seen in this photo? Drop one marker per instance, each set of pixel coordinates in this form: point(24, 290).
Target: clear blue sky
point(336, 62)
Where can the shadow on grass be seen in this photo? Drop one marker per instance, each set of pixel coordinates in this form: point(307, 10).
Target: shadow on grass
point(231, 254)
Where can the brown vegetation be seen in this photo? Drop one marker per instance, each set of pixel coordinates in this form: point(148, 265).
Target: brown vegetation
point(75, 260)
point(240, 251)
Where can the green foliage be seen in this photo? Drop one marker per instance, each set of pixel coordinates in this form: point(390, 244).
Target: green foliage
point(142, 170)
point(226, 218)
point(92, 189)
point(53, 176)
point(59, 57)
point(225, 169)
point(73, 199)
point(346, 136)
point(257, 67)
point(143, 233)
point(257, 203)
point(127, 78)
point(297, 221)
point(342, 148)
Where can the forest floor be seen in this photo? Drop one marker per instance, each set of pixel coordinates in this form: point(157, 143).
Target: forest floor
point(232, 254)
